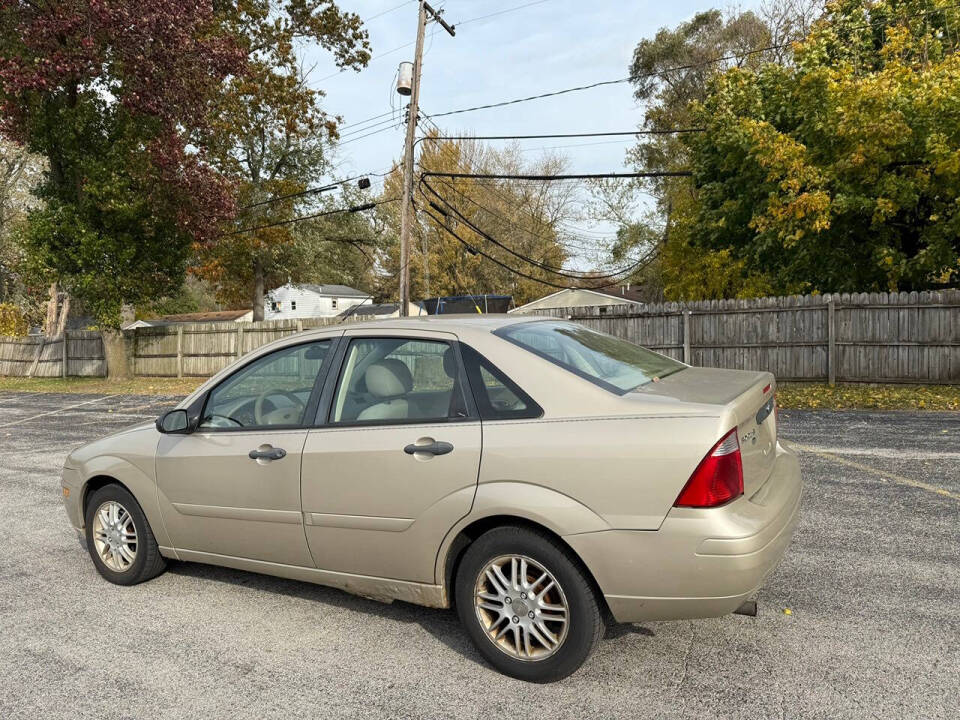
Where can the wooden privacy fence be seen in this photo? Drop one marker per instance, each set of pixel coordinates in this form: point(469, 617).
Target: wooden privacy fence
point(203, 349)
point(859, 337)
point(76, 352)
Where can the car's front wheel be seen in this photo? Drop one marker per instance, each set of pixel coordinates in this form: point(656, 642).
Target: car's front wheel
point(119, 537)
point(527, 604)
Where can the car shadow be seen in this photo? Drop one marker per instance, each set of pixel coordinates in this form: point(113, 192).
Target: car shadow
point(443, 624)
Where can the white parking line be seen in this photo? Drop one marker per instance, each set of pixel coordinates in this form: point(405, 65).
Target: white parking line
point(884, 474)
point(52, 412)
point(886, 453)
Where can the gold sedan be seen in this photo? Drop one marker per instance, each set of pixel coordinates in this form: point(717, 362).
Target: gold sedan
point(541, 477)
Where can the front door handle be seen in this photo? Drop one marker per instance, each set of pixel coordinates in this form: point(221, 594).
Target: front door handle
point(437, 447)
point(268, 453)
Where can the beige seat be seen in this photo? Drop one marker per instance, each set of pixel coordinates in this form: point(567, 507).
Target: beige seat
point(389, 381)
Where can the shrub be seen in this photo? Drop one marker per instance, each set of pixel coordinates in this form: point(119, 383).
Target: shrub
point(12, 320)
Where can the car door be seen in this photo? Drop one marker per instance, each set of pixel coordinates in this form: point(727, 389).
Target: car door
point(232, 487)
point(395, 463)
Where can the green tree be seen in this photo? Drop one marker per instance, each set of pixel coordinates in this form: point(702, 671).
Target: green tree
point(841, 171)
point(108, 94)
point(671, 73)
point(270, 136)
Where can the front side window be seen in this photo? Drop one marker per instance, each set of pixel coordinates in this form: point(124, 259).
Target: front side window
point(614, 364)
point(397, 380)
point(271, 391)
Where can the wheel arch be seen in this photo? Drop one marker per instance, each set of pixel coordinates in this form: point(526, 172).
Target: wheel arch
point(110, 469)
point(457, 547)
point(92, 485)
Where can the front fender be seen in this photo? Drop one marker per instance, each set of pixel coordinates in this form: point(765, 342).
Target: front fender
point(548, 508)
point(141, 486)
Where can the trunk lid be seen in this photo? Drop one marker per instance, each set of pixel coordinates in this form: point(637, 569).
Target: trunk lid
point(745, 399)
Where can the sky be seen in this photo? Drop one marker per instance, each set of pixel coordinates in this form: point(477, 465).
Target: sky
point(531, 48)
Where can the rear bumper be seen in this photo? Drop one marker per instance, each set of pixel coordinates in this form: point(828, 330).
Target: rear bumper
point(700, 563)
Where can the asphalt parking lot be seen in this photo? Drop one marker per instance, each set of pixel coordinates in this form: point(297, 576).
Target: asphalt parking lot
point(872, 582)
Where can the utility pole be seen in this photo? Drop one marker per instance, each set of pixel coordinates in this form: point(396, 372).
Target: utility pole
point(406, 212)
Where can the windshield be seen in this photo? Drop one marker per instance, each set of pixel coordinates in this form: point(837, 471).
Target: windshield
point(611, 363)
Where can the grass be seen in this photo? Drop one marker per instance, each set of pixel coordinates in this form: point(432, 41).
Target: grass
point(102, 386)
point(789, 395)
point(860, 396)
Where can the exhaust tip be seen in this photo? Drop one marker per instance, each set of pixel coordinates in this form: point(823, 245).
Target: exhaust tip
point(749, 608)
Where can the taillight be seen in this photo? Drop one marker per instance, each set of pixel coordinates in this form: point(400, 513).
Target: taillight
point(718, 478)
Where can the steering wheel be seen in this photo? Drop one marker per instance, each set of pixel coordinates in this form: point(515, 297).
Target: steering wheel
point(258, 404)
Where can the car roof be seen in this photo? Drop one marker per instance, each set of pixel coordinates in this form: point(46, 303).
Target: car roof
point(466, 321)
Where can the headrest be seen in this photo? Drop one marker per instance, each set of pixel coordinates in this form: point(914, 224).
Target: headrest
point(388, 378)
point(450, 363)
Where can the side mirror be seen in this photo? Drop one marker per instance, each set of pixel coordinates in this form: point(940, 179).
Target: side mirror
point(174, 422)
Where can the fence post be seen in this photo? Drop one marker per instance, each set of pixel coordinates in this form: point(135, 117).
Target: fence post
point(66, 353)
point(179, 351)
point(239, 339)
point(686, 337)
point(299, 325)
point(831, 341)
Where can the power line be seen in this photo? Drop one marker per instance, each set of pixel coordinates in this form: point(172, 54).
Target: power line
point(432, 33)
point(385, 12)
point(549, 283)
point(361, 137)
point(586, 176)
point(604, 83)
point(301, 218)
point(546, 136)
point(501, 12)
point(371, 126)
point(526, 258)
point(584, 243)
point(314, 191)
point(678, 68)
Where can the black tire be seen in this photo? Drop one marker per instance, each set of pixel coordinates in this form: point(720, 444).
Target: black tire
point(148, 562)
point(585, 621)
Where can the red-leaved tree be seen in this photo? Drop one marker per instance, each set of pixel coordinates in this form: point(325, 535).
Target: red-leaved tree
point(113, 94)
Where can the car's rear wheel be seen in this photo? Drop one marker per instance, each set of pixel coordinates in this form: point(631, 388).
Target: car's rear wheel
point(527, 604)
point(119, 538)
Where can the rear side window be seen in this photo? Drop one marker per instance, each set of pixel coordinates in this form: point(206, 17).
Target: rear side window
point(496, 395)
point(613, 364)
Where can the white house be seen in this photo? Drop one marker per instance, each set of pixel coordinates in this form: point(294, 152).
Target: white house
point(309, 301)
point(582, 297)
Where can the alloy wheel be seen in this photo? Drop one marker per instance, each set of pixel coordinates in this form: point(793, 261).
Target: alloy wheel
point(115, 536)
point(521, 607)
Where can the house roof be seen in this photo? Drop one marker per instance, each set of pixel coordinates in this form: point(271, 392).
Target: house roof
point(375, 309)
point(333, 290)
point(626, 295)
point(199, 317)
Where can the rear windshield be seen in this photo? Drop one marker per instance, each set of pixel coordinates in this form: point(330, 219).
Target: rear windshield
point(614, 364)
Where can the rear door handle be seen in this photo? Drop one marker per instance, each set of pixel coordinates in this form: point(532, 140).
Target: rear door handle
point(437, 447)
point(268, 454)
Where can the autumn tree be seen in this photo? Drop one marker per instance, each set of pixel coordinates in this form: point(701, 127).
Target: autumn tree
point(841, 171)
point(109, 94)
point(517, 223)
point(670, 73)
point(271, 137)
